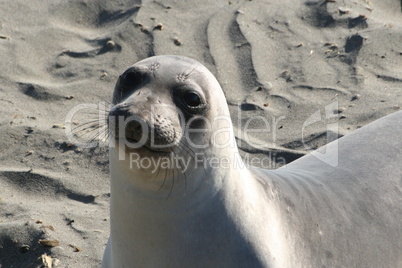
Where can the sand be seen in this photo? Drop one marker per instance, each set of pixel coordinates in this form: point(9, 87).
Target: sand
point(286, 61)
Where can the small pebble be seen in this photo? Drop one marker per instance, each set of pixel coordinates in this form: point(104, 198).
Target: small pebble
point(355, 97)
point(50, 227)
point(49, 242)
point(177, 42)
point(339, 110)
point(110, 44)
point(138, 25)
point(59, 126)
point(343, 11)
point(268, 85)
point(103, 75)
point(75, 248)
point(144, 30)
point(158, 26)
point(45, 261)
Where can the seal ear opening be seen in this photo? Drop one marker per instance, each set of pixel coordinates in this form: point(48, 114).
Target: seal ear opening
point(131, 79)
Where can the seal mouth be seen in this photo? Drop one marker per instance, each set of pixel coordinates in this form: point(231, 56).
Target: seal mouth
point(135, 140)
point(145, 147)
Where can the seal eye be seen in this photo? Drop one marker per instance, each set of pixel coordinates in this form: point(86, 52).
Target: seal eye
point(192, 100)
point(130, 80)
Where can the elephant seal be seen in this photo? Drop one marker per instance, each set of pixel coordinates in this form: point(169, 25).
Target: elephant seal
point(180, 196)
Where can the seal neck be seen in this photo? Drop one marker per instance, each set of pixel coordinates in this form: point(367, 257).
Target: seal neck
point(171, 192)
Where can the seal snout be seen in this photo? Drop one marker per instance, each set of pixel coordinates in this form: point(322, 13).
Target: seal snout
point(142, 128)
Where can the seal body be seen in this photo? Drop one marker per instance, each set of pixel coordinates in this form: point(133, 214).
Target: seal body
point(182, 197)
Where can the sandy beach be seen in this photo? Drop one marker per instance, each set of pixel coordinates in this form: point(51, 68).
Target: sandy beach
point(285, 63)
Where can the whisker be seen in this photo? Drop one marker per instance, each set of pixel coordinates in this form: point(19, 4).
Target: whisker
point(88, 133)
point(182, 146)
point(185, 147)
point(93, 139)
point(104, 134)
point(173, 177)
point(87, 129)
point(95, 113)
point(164, 180)
point(195, 68)
point(184, 173)
point(85, 124)
point(157, 174)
